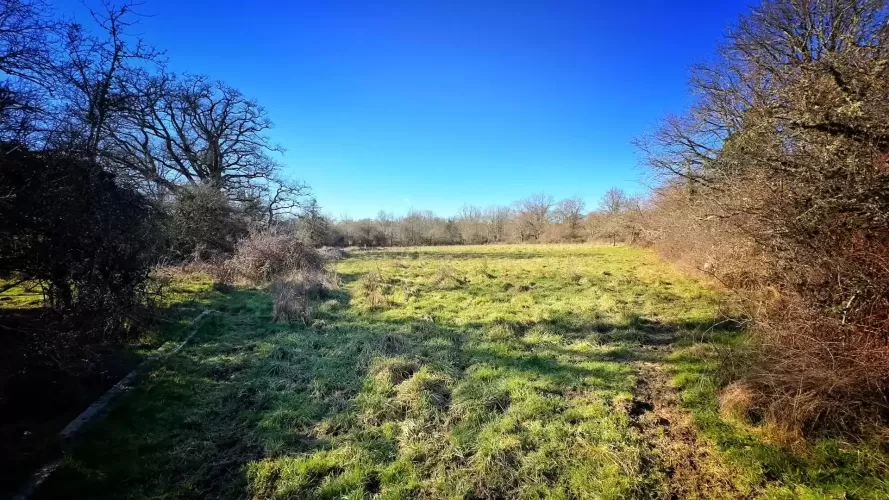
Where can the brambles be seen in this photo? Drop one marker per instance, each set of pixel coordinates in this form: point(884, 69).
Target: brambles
point(269, 253)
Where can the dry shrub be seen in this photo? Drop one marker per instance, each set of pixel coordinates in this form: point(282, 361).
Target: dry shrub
point(374, 288)
point(812, 371)
point(777, 185)
point(270, 253)
point(819, 355)
point(694, 232)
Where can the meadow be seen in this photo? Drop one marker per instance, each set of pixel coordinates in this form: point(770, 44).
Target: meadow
point(539, 371)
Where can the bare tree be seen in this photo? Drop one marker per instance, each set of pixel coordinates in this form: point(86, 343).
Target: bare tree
point(313, 226)
point(569, 213)
point(387, 224)
point(97, 76)
point(195, 130)
point(611, 205)
point(498, 220)
point(533, 216)
point(470, 220)
point(28, 41)
point(613, 201)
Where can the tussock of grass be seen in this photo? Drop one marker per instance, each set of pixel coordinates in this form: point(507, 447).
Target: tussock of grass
point(374, 289)
point(446, 277)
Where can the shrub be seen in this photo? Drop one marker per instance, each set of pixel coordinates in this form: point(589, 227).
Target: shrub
point(88, 242)
point(778, 181)
point(267, 254)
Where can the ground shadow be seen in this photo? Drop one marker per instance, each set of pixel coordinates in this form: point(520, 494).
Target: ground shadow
point(248, 388)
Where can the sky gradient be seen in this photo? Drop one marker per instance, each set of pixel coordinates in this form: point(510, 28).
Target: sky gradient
point(434, 104)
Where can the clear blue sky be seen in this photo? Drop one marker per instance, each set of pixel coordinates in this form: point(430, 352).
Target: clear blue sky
point(433, 104)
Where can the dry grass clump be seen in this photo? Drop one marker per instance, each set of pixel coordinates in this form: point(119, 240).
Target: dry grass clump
point(502, 330)
point(293, 292)
point(738, 400)
point(484, 269)
point(447, 277)
point(291, 302)
point(389, 372)
point(374, 289)
point(422, 392)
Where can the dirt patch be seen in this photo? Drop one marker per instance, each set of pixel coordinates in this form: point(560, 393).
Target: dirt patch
point(678, 464)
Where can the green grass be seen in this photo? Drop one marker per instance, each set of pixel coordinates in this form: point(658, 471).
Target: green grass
point(822, 468)
point(20, 297)
point(447, 372)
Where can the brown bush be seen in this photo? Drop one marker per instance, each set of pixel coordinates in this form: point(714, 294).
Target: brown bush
point(267, 254)
point(819, 356)
point(813, 370)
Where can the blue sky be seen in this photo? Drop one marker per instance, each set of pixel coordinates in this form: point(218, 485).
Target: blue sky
point(432, 104)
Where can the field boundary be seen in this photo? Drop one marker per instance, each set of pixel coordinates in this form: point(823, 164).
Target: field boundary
point(102, 406)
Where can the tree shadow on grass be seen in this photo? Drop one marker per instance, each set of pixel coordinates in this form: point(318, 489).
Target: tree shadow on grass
point(248, 389)
point(49, 374)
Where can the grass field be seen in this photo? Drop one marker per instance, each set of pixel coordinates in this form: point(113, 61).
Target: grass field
point(566, 371)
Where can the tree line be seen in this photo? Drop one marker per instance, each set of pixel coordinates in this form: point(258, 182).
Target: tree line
point(536, 219)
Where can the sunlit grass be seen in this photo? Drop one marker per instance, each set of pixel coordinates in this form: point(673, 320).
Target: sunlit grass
point(447, 372)
point(20, 297)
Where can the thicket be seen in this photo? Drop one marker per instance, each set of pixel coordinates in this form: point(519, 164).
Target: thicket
point(775, 181)
point(87, 242)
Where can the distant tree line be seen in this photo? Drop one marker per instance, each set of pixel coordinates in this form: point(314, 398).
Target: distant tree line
point(535, 219)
